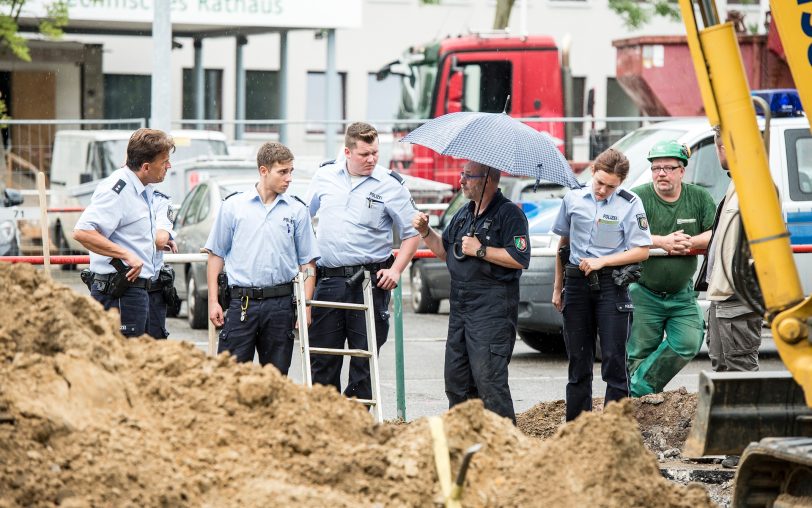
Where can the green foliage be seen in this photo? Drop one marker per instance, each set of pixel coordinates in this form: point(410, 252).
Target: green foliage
point(50, 26)
point(636, 13)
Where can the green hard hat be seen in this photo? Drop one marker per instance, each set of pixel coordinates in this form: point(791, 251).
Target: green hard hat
point(670, 149)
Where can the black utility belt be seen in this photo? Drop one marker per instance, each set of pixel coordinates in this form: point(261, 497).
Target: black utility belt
point(140, 282)
point(349, 271)
point(261, 293)
point(574, 272)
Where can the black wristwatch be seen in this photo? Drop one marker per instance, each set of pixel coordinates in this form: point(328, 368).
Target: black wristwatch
point(480, 252)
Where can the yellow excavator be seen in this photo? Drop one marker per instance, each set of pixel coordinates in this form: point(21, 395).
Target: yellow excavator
point(775, 470)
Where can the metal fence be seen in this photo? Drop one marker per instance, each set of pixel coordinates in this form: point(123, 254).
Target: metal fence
point(29, 144)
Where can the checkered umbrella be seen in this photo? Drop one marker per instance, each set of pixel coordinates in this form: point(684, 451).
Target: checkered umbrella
point(498, 141)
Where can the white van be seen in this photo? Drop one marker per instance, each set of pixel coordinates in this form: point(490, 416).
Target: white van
point(82, 158)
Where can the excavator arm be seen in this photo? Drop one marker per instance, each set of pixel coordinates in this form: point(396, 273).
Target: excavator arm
point(776, 469)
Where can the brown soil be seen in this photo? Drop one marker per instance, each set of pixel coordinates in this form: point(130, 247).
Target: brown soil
point(664, 419)
point(88, 418)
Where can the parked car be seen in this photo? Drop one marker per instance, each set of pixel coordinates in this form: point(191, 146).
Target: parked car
point(9, 233)
point(192, 226)
point(430, 280)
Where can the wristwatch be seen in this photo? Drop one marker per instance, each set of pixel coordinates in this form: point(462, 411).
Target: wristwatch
point(480, 252)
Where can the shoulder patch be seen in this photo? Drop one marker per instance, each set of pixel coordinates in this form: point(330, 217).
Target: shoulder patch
point(300, 200)
point(628, 196)
point(396, 176)
point(325, 163)
point(161, 194)
point(117, 188)
point(642, 221)
point(233, 193)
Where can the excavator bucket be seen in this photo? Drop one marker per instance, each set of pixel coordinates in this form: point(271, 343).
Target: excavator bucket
point(737, 408)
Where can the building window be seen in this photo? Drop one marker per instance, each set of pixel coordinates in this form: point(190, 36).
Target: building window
point(261, 99)
point(316, 112)
point(212, 96)
point(127, 96)
point(383, 97)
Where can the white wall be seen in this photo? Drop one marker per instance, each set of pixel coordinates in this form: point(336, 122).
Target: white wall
point(390, 26)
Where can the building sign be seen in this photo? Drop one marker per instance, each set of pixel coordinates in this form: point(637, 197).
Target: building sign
point(220, 13)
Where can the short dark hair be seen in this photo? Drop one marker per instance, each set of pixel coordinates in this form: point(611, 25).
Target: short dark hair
point(146, 145)
point(272, 152)
point(613, 162)
point(359, 131)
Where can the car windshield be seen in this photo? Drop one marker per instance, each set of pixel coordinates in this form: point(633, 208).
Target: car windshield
point(416, 91)
point(636, 145)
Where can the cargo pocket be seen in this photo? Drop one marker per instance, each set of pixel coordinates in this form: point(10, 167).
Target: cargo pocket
point(623, 303)
point(371, 213)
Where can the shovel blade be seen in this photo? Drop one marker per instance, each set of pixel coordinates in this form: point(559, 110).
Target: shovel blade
point(737, 408)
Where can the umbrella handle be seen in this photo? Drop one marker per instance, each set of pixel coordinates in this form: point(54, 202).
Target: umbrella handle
point(457, 251)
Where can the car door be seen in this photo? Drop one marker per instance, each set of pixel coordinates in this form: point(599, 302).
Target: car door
point(185, 234)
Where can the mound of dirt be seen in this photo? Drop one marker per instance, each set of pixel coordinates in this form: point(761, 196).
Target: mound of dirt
point(88, 418)
point(664, 419)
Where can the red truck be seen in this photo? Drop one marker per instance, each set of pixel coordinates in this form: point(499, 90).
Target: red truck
point(474, 73)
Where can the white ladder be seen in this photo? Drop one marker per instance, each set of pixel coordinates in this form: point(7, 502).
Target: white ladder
point(372, 342)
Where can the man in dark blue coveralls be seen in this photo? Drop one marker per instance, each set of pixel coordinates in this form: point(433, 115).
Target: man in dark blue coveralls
point(485, 268)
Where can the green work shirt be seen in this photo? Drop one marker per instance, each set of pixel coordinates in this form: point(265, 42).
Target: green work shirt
point(692, 213)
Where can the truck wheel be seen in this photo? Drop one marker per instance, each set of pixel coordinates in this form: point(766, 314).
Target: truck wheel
point(422, 302)
point(550, 343)
point(196, 307)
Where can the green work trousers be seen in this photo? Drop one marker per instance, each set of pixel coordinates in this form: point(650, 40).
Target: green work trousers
point(667, 332)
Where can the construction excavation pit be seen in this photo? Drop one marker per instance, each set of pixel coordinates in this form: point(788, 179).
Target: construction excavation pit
point(88, 418)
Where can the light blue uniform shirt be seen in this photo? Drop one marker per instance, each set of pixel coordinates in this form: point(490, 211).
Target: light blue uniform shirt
point(600, 228)
point(121, 211)
point(356, 219)
point(262, 246)
point(163, 220)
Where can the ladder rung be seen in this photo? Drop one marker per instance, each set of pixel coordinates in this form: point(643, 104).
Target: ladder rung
point(340, 352)
point(366, 402)
point(337, 305)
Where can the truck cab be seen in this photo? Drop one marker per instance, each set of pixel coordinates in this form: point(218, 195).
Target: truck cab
point(474, 73)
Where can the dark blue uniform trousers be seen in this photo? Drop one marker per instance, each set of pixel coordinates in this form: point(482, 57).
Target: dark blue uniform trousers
point(133, 307)
point(606, 313)
point(156, 321)
point(481, 336)
point(331, 327)
point(268, 328)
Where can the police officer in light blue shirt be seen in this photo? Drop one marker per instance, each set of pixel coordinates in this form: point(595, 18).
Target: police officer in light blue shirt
point(358, 203)
point(262, 238)
point(119, 225)
point(601, 228)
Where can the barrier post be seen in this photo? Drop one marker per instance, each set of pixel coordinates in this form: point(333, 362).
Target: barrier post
point(400, 377)
point(43, 222)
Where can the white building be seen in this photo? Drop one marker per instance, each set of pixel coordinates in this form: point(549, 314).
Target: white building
point(368, 34)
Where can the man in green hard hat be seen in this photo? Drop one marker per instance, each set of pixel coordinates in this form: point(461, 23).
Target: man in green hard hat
point(667, 329)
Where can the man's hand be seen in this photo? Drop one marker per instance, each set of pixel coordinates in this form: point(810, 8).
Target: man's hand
point(589, 265)
point(387, 278)
point(171, 246)
point(309, 318)
point(216, 314)
point(558, 302)
point(135, 264)
point(421, 223)
point(677, 243)
point(470, 244)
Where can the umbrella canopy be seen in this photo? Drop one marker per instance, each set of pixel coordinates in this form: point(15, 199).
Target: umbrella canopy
point(498, 141)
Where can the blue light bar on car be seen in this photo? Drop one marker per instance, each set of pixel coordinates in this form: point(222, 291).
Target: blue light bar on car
point(783, 102)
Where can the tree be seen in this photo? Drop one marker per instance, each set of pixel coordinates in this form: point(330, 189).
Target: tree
point(637, 13)
point(56, 17)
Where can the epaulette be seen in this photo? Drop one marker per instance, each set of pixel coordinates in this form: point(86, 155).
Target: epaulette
point(235, 192)
point(396, 176)
point(297, 198)
point(628, 196)
point(119, 186)
point(161, 194)
point(331, 161)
